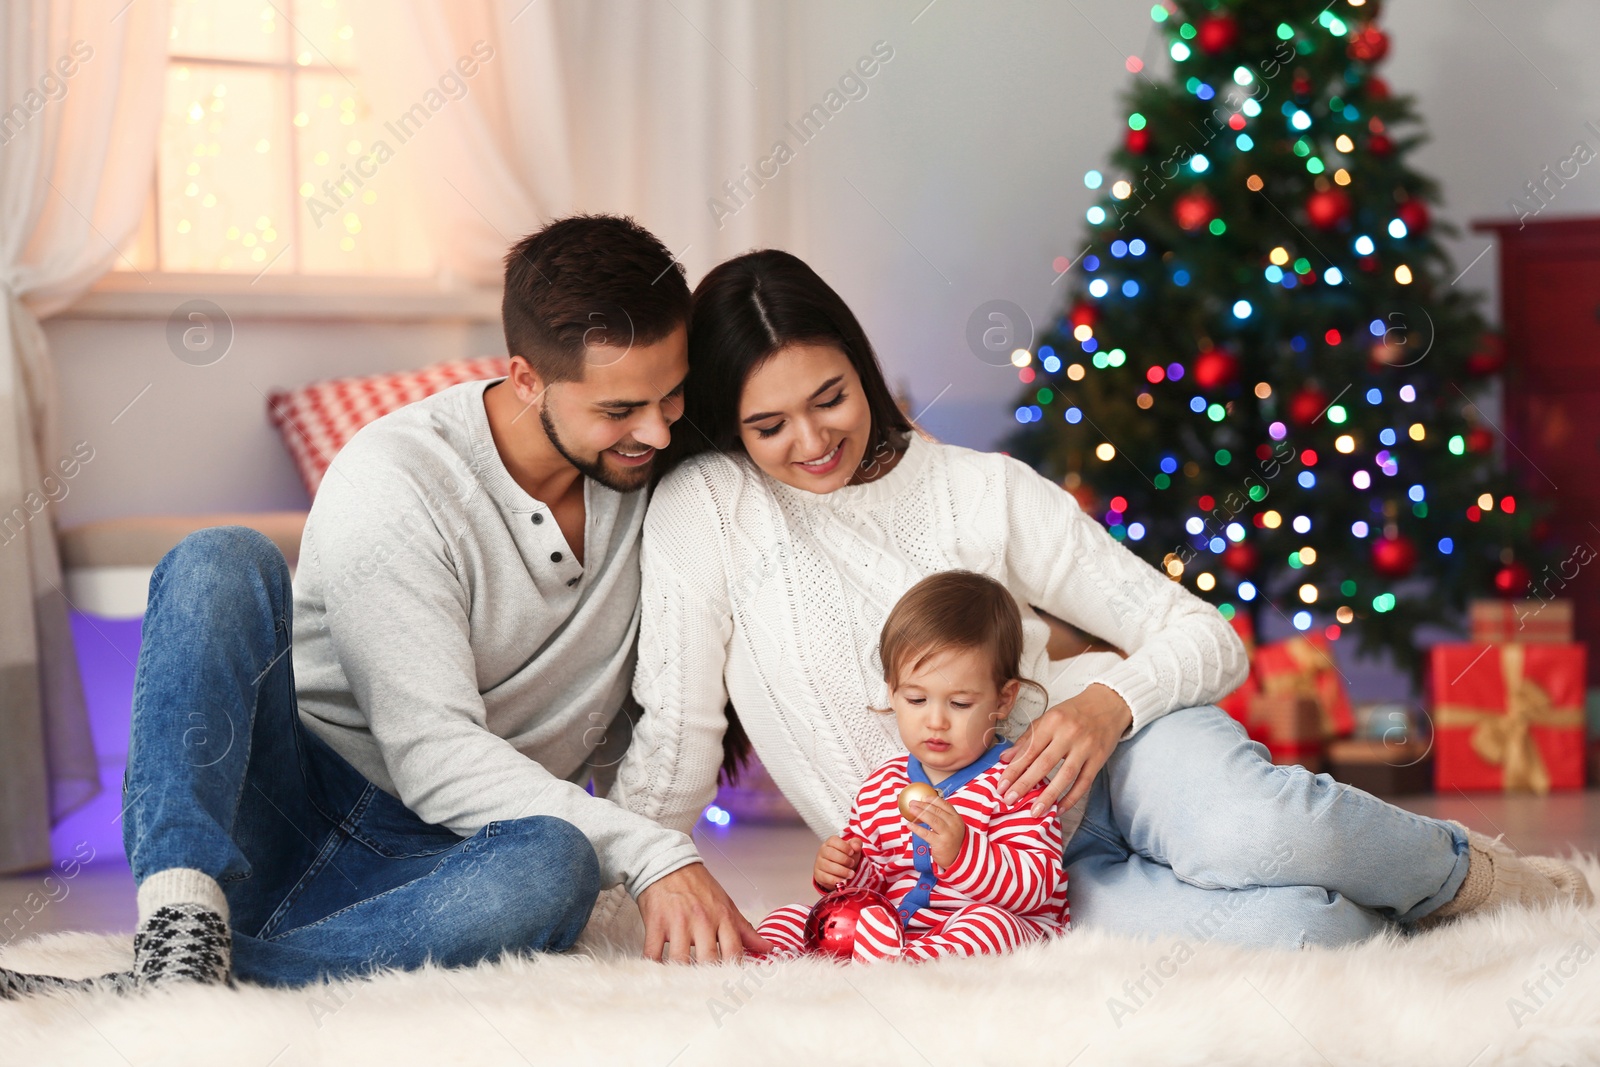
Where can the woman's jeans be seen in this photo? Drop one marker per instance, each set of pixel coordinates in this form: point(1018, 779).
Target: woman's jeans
point(1190, 832)
point(325, 874)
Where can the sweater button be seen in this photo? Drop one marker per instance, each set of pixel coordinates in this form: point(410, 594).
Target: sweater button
point(538, 517)
point(555, 557)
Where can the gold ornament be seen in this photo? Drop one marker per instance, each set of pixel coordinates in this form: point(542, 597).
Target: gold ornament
point(914, 792)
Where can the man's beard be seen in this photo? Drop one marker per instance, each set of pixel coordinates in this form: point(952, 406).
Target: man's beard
point(621, 481)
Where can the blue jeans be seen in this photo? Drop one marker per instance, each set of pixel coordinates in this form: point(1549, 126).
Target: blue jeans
point(1191, 832)
point(325, 874)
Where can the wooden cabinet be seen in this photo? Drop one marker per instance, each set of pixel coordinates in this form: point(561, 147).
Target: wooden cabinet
point(1550, 312)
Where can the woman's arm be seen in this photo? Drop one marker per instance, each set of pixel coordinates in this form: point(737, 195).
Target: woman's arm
point(1180, 651)
point(669, 773)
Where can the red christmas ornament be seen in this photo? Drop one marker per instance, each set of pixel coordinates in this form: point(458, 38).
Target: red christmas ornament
point(1512, 580)
point(1414, 213)
point(1377, 89)
point(1479, 440)
point(1328, 208)
point(1307, 404)
point(1138, 141)
point(1084, 315)
point(1193, 210)
point(831, 926)
point(1216, 34)
point(1380, 145)
point(1241, 558)
point(1369, 44)
point(1489, 357)
point(1215, 367)
point(1394, 557)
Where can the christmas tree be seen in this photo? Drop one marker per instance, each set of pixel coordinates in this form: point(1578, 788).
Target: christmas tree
point(1265, 380)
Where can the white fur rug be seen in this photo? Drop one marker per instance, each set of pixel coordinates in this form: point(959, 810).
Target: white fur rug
point(1515, 987)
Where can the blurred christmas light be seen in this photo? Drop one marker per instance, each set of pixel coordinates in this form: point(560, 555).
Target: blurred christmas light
point(1104, 451)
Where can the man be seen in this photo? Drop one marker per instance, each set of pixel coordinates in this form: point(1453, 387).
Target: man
point(408, 784)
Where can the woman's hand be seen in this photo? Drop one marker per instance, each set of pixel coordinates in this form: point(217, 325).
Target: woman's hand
point(837, 861)
point(939, 824)
point(1080, 734)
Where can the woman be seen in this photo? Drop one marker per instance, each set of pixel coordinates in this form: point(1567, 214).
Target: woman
point(800, 505)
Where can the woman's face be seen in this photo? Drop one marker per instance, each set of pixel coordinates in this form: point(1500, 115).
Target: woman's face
point(803, 418)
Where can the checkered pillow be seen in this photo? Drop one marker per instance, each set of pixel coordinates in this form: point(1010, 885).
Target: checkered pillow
point(317, 419)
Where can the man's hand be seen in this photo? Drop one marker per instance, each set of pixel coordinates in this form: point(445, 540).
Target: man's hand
point(939, 824)
point(1080, 733)
point(837, 861)
point(688, 911)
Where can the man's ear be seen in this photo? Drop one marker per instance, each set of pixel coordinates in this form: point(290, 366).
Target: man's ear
point(526, 382)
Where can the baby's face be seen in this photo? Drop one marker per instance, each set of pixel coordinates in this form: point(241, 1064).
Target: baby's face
point(946, 708)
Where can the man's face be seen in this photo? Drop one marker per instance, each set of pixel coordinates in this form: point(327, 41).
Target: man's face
point(611, 422)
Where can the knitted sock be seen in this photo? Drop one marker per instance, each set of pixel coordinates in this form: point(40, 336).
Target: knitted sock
point(183, 930)
point(1496, 875)
point(14, 984)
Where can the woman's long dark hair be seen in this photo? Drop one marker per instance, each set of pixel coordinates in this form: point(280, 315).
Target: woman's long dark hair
point(745, 311)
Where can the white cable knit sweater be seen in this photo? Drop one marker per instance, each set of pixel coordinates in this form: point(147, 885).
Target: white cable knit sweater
point(773, 597)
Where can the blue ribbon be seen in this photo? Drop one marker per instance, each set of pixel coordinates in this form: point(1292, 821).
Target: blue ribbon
point(921, 853)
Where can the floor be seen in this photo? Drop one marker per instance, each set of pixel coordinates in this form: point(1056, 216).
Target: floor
point(764, 866)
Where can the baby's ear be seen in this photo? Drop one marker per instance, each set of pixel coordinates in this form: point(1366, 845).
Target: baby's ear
point(1008, 698)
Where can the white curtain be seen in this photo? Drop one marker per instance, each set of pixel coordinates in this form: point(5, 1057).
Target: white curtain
point(633, 107)
point(81, 87)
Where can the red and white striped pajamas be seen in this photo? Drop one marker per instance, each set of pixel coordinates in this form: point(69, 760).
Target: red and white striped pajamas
point(1006, 887)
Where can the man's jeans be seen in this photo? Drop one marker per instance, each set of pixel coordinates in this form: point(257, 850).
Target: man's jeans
point(1191, 832)
point(326, 875)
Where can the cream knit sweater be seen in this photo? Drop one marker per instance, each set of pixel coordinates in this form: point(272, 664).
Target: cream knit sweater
point(773, 597)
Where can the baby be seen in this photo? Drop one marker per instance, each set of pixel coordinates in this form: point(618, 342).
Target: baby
point(973, 874)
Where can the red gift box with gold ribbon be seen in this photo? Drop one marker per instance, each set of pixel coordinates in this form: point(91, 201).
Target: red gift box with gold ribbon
point(1508, 717)
point(1237, 703)
point(1304, 667)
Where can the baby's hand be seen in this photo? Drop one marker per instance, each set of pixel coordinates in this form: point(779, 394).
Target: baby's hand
point(939, 824)
point(837, 861)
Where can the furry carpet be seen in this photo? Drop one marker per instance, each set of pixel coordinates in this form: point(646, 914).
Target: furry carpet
point(1515, 987)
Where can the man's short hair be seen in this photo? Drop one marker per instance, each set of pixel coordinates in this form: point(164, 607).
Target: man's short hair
point(589, 280)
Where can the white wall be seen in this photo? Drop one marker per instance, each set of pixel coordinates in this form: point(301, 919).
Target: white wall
point(966, 160)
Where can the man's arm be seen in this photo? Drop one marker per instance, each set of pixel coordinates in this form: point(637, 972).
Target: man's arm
point(402, 638)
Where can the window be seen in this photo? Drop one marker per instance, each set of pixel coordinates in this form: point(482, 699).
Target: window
point(264, 118)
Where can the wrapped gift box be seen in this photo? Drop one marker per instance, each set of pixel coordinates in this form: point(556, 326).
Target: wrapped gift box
point(1383, 768)
point(1508, 717)
point(1543, 622)
point(1291, 728)
point(1237, 703)
point(1304, 667)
